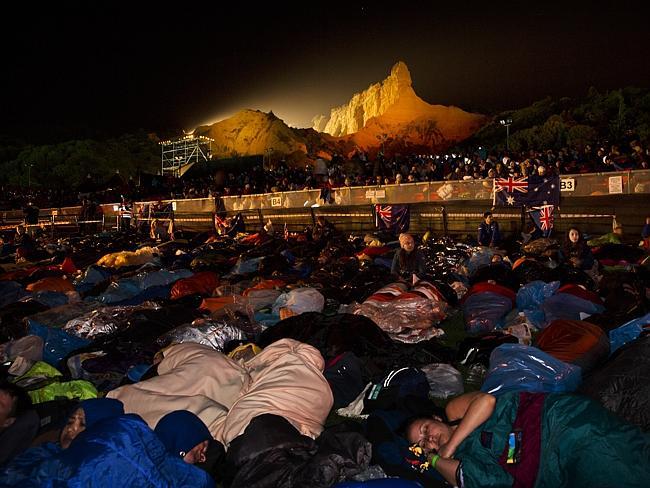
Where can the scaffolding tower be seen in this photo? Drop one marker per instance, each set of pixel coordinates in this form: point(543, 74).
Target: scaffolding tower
point(180, 154)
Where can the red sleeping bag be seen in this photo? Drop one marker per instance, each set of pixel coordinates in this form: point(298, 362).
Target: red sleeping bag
point(576, 342)
point(202, 283)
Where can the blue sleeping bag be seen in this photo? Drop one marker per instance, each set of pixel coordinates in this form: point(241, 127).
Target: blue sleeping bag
point(120, 451)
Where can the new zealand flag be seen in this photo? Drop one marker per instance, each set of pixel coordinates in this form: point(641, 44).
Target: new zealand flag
point(396, 218)
point(530, 191)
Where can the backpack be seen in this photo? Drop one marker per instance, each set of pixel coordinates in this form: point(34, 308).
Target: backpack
point(395, 388)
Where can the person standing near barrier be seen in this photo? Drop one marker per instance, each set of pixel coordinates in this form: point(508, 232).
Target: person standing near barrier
point(488, 231)
point(30, 213)
point(125, 215)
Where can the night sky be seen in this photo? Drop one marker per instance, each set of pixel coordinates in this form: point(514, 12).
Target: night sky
point(72, 69)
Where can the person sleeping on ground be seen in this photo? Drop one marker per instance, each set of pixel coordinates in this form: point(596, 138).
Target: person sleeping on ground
point(184, 435)
point(533, 440)
point(88, 414)
point(101, 446)
point(284, 379)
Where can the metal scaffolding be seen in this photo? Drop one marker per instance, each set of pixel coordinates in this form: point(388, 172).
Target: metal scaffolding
point(179, 154)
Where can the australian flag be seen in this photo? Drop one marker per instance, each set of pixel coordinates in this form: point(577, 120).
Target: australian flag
point(396, 218)
point(543, 218)
point(529, 191)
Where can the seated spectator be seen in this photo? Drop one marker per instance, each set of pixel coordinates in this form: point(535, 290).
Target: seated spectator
point(323, 229)
point(407, 260)
point(158, 230)
point(488, 231)
point(645, 234)
point(575, 251)
point(24, 243)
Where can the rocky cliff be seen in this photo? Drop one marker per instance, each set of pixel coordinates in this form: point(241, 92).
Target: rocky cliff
point(388, 115)
point(252, 132)
point(391, 114)
point(372, 102)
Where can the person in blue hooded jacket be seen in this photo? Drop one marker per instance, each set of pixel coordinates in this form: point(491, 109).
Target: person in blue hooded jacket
point(104, 451)
point(87, 414)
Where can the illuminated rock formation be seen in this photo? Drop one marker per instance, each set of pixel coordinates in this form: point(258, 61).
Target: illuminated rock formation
point(352, 117)
point(391, 113)
point(388, 115)
point(252, 132)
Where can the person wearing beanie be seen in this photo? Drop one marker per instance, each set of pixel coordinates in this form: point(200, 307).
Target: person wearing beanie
point(407, 260)
point(184, 435)
point(88, 414)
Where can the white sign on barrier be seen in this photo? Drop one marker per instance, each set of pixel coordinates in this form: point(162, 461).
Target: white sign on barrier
point(276, 201)
point(567, 184)
point(616, 184)
point(380, 194)
point(370, 193)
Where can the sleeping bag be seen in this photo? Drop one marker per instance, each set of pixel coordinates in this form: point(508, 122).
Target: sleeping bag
point(563, 440)
point(120, 451)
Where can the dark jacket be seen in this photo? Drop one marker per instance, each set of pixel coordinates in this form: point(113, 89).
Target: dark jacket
point(645, 233)
point(488, 234)
point(407, 263)
point(581, 251)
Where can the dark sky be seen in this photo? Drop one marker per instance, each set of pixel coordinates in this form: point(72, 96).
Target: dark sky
point(82, 69)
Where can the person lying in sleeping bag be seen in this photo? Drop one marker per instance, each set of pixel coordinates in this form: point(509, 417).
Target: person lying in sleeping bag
point(538, 440)
point(114, 450)
point(184, 435)
point(87, 414)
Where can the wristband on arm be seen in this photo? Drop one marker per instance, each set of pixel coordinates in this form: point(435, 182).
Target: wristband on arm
point(434, 460)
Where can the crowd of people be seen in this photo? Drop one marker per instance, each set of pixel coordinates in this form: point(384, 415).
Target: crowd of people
point(361, 170)
point(244, 405)
point(358, 170)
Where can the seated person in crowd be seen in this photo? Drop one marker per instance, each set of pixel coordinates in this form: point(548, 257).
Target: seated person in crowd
point(407, 260)
point(158, 230)
point(532, 439)
point(575, 250)
point(323, 229)
point(24, 243)
point(645, 234)
point(488, 231)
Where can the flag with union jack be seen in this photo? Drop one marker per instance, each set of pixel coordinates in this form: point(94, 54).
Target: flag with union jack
point(395, 218)
point(220, 224)
point(543, 218)
point(530, 191)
